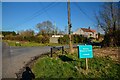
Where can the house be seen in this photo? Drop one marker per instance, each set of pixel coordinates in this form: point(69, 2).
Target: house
point(87, 32)
point(57, 35)
point(54, 38)
point(1, 36)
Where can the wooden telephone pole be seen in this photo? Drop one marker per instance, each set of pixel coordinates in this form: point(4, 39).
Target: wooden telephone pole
point(69, 28)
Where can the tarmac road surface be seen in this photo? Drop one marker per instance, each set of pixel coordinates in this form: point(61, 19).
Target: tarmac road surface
point(14, 58)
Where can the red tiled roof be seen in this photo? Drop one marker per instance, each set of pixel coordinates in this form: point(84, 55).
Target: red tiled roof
point(93, 30)
point(88, 30)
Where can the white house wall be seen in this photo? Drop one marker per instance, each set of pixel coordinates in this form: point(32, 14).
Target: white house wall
point(86, 34)
point(79, 31)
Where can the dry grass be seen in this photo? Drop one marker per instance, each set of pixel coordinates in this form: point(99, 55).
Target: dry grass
point(114, 53)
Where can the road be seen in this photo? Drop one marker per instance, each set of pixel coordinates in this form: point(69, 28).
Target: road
point(14, 58)
point(0, 59)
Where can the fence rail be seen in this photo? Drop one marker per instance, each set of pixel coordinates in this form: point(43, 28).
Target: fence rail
point(54, 49)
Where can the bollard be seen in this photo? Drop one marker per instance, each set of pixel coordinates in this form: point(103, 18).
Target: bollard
point(62, 49)
point(51, 52)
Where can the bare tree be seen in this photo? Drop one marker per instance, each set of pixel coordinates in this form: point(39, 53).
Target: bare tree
point(27, 33)
point(45, 26)
point(109, 19)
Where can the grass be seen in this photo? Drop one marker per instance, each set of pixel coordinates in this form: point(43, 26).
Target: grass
point(69, 66)
point(29, 44)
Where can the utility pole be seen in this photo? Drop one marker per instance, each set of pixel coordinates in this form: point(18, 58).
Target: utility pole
point(69, 28)
point(55, 28)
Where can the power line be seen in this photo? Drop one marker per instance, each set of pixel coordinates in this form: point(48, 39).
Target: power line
point(48, 14)
point(38, 13)
point(83, 12)
point(43, 10)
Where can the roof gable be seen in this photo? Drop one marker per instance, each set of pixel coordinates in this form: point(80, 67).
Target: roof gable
point(88, 30)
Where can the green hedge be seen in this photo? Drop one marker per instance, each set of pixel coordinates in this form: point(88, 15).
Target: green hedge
point(43, 39)
point(64, 39)
point(79, 39)
point(75, 39)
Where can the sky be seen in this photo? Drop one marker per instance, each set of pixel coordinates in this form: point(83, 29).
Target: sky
point(17, 16)
point(0, 16)
point(59, 0)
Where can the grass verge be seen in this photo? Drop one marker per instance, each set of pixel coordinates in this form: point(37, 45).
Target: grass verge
point(29, 44)
point(70, 67)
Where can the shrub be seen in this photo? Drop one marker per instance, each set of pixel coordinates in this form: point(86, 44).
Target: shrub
point(111, 39)
point(106, 41)
point(38, 39)
point(9, 37)
point(29, 38)
point(45, 39)
point(64, 39)
point(117, 37)
point(75, 39)
point(19, 38)
point(79, 39)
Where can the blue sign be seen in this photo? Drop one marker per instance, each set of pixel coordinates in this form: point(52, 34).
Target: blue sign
point(85, 51)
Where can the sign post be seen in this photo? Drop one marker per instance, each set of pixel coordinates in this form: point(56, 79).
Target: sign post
point(85, 51)
point(86, 64)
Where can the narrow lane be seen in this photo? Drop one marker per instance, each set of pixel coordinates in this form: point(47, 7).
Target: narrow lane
point(0, 59)
point(14, 58)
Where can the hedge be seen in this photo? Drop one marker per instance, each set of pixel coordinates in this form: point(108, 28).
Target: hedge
point(75, 39)
point(44, 39)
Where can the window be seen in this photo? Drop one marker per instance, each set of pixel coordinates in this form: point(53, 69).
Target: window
point(90, 35)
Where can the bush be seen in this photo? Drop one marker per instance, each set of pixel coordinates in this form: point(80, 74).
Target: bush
point(19, 38)
point(29, 38)
point(38, 39)
point(75, 39)
point(45, 39)
point(117, 37)
point(111, 39)
point(64, 39)
point(9, 37)
point(5, 33)
point(79, 39)
point(106, 41)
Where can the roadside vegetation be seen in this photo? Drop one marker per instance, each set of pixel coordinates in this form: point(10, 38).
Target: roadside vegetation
point(42, 38)
point(27, 38)
point(107, 19)
point(104, 64)
point(29, 44)
point(70, 66)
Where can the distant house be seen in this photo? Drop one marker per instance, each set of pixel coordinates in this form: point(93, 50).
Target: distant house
point(1, 36)
point(54, 38)
point(86, 32)
point(57, 35)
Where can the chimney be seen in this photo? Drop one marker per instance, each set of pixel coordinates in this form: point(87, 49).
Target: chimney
point(89, 27)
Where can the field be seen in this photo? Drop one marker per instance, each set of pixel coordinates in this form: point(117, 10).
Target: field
point(103, 65)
